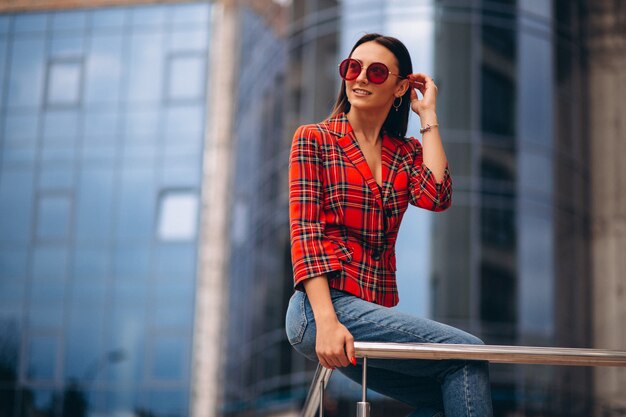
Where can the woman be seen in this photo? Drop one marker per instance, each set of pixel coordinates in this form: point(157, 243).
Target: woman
point(351, 179)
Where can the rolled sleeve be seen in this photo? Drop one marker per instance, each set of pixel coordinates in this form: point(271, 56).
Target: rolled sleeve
point(426, 192)
point(311, 254)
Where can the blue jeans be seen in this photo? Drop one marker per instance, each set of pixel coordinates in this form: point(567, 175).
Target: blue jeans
point(435, 388)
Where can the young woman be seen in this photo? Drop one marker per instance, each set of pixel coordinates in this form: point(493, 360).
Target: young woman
point(351, 178)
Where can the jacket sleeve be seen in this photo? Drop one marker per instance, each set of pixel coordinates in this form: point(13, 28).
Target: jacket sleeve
point(311, 254)
point(425, 191)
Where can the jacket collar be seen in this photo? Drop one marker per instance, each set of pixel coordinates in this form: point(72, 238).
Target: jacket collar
point(340, 127)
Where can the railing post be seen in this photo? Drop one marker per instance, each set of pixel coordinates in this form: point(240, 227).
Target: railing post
point(363, 407)
point(321, 397)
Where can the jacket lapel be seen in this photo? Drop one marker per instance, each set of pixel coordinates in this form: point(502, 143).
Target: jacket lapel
point(351, 148)
point(346, 139)
point(391, 158)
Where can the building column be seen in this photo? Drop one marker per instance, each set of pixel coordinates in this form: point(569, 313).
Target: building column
point(606, 43)
point(212, 289)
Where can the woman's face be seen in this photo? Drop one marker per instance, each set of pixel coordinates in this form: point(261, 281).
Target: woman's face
point(365, 95)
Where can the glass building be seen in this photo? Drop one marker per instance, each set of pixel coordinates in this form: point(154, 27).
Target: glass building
point(102, 117)
point(509, 261)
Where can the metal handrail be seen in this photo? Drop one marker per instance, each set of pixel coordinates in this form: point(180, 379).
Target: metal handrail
point(441, 351)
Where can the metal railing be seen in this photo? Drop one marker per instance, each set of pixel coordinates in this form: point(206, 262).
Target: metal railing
point(435, 351)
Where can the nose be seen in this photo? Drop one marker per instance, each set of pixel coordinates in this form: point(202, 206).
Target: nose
point(362, 78)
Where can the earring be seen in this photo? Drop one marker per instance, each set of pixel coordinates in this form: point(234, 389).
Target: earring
point(398, 105)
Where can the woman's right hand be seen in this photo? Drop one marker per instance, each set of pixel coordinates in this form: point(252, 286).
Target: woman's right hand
point(334, 344)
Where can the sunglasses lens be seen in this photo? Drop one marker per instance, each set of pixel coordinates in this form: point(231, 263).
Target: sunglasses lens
point(377, 73)
point(349, 69)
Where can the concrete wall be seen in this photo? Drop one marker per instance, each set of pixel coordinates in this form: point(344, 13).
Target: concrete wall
point(606, 37)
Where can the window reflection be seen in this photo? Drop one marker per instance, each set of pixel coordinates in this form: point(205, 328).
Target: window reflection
point(175, 261)
point(103, 69)
point(42, 358)
point(497, 113)
point(27, 72)
point(186, 77)
point(64, 79)
point(16, 205)
point(53, 219)
point(168, 356)
point(63, 21)
point(31, 22)
point(49, 263)
point(178, 213)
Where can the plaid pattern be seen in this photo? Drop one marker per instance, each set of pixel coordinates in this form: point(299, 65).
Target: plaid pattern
point(341, 225)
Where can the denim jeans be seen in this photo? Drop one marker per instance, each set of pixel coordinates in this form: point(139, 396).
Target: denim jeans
point(435, 388)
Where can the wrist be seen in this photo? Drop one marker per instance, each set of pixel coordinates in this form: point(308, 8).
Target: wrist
point(326, 318)
point(428, 117)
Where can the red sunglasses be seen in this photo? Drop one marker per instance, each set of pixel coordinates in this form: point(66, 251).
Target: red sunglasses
point(376, 73)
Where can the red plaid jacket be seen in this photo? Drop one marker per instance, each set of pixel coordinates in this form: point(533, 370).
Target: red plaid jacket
point(341, 225)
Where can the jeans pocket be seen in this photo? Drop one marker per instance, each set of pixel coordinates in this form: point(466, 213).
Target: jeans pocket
point(296, 321)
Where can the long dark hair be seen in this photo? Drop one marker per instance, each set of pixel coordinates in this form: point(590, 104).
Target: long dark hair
point(397, 121)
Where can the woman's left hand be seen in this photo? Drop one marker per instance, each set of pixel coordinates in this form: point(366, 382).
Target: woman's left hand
point(426, 86)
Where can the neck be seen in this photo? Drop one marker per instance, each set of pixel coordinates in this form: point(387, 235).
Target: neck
point(366, 124)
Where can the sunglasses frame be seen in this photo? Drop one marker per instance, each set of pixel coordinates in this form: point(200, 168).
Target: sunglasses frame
point(367, 73)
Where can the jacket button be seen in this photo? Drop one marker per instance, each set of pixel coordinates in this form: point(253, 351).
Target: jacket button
point(388, 212)
point(376, 254)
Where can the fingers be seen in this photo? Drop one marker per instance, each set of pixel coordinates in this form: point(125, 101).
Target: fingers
point(339, 352)
point(420, 79)
point(350, 349)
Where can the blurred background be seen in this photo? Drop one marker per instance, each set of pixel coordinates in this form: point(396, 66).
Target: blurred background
point(144, 244)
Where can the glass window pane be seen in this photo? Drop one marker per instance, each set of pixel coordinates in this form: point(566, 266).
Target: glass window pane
point(148, 16)
point(104, 69)
point(167, 402)
point(189, 40)
point(146, 67)
point(93, 209)
point(174, 316)
point(108, 18)
point(26, 76)
point(101, 123)
point(45, 313)
point(13, 273)
point(190, 13)
point(4, 24)
point(49, 262)
point(60, 127)
point(127, 339)
point(64, 83)
point(56, 177)
point(20, 129)
point(136, 210)
point(186, 77)
point(30, 22)
point(83, 347)
point(42, 358)
point(144, 123)
point(92, 262)
point(176, 261)
point(16, 205)
point(64, 46)
point(53, 217)
point(132, 262)
point(169, 355)
point(182, 120)
point(178, 212)
point(74, 20)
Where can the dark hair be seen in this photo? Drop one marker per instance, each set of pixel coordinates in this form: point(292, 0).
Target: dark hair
point(397, 121)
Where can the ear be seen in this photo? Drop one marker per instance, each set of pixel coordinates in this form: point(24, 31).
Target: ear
point(401, 88)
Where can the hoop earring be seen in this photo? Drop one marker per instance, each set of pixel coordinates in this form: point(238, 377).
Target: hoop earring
point(398, 105)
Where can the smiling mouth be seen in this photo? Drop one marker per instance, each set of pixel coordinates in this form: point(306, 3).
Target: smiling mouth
point(360, 92)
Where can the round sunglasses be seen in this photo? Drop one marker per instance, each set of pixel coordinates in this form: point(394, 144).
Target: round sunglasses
point(376, 72)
